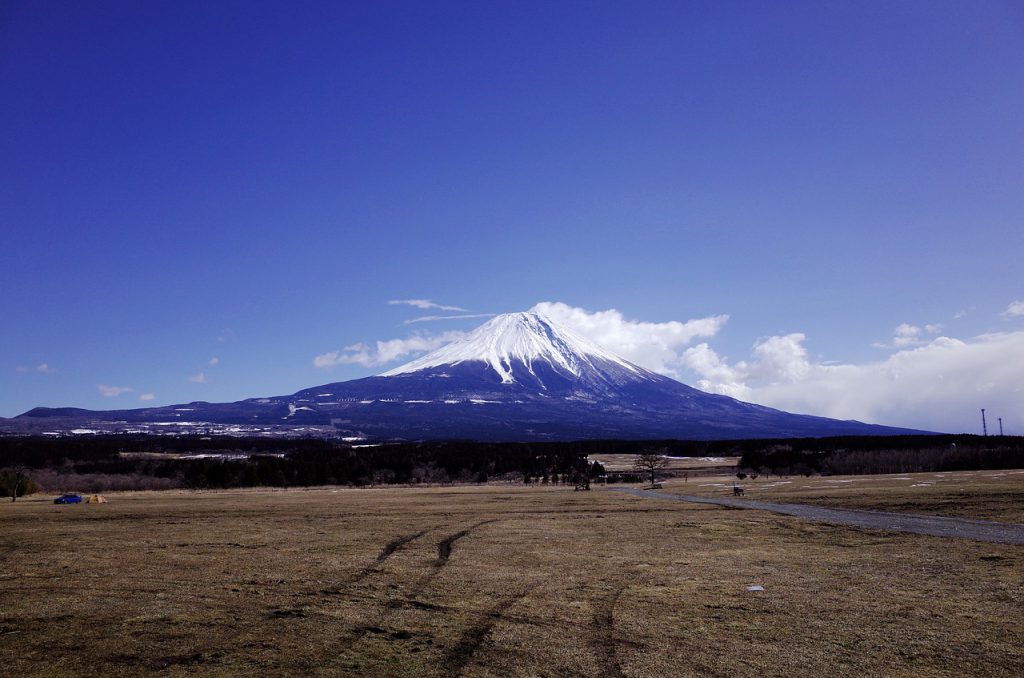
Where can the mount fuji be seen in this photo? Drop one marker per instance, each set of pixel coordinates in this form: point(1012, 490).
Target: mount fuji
point(519, 376)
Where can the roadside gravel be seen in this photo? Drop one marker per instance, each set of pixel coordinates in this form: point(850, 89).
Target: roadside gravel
point(937, 526)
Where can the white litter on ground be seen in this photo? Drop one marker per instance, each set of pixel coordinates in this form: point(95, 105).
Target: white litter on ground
point(755, 587)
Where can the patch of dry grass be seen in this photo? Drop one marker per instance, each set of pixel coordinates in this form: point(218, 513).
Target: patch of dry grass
point(981, 495)
point(536, 581)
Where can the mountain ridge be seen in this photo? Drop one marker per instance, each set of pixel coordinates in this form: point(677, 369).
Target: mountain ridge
point(519, 376)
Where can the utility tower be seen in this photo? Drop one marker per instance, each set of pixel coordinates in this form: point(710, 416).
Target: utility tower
point(1000, 426)
point(984, 427)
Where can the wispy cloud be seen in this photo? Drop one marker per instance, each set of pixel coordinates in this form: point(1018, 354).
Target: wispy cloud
point(113, 391)
point(213, 362)
point(1014, 310)
point(431, 318)
point(424, 304)
point(146, 397)
point(41, 368)
point(200, 378)
point(383, 352)
point(226, 335)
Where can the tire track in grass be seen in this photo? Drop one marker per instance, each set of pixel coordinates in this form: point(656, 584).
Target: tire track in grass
point(603, 639)
point(396, 544)
point(458, 656)
point(445, 547)
point(389, 549)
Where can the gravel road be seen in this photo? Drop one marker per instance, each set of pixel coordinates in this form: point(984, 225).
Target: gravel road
point(937, 526)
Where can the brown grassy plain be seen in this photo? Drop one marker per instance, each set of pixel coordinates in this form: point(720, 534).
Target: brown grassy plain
point(981, 495)
point(475, 581)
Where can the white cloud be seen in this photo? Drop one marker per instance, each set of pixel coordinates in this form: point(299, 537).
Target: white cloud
point(906, 335)
point(717, 376)
point(939, 385)
point(226, 335)
point(656, 346)
point(424, 304)
point(213, 362)
point(41, 368)
point(383, 352)
point(1014, 310)
point(200, 378)
point(147, 397)
point(430, 318)
point(113, 391)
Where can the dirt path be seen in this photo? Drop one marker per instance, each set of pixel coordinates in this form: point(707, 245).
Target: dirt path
point(937, 526)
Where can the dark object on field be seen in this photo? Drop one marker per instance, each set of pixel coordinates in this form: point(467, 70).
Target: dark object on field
point(68, 498)
point(737, 491)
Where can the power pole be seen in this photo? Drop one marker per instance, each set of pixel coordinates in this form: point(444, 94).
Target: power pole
point(1000, 426)
point(984, 427)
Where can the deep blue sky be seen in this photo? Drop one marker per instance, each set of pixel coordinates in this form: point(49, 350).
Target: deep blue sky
point(271, 174)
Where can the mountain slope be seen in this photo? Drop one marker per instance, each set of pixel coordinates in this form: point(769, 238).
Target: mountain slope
point(517, 377)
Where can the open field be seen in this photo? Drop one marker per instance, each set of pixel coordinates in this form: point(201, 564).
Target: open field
point(490, 580)
point(981, 495)
point(624, 462)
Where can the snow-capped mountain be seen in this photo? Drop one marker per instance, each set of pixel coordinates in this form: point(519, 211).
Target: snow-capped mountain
point(520, 339)
point(527, 350)
point(518, 376)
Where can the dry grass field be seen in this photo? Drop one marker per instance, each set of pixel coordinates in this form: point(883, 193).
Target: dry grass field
point(475, 581)
point(981, 495)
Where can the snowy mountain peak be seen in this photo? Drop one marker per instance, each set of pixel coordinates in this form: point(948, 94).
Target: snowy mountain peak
point(526, 338)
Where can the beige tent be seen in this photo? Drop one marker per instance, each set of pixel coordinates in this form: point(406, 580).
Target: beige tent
point(96, 499)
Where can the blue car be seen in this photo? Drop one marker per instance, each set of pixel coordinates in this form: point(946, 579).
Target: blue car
point(68, 498)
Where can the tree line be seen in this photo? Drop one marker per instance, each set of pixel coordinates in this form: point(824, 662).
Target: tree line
point(104, 463)
point(896, 454)
point(124, 461)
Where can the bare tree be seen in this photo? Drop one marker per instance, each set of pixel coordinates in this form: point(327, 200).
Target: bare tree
point(651, 461)
point(15, 482)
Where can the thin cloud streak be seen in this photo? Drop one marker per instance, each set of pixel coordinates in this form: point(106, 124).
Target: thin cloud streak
point(431, 318)
point(113, 391)
point(425, 305)
point(41, 368)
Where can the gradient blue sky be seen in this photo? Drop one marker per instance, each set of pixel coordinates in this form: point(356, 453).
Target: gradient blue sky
point(252, 182)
